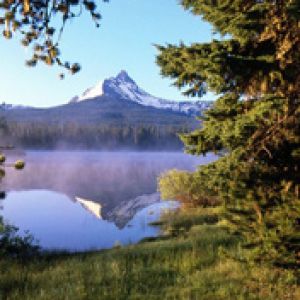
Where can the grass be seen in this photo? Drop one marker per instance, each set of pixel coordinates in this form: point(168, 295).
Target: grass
point(187, 263)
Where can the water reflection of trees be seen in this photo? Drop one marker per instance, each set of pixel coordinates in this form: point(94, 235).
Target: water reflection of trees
point(114, 180)
point(109, 178)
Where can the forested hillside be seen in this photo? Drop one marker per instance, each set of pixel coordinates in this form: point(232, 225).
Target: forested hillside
point(103, 137)
point(101, 123)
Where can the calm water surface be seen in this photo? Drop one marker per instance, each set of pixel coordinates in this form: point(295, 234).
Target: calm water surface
point(81, 201)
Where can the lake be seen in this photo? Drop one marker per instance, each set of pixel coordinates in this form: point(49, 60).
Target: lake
point(79, 201)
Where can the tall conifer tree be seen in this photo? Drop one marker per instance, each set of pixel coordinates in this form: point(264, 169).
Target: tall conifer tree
point(255, 123)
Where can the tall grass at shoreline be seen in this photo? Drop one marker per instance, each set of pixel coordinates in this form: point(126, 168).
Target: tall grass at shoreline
point(185, 263)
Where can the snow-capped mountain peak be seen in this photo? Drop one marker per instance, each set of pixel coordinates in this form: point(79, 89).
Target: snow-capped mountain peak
point(123, 87)
point(123, 76)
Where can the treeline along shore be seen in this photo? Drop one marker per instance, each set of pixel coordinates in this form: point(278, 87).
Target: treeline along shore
point(96, 136)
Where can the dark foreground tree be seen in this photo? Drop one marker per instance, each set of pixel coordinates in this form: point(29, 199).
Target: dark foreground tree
point(37, 25)
point(254, 125)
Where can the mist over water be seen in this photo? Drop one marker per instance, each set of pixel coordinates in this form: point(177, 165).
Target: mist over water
point(79, 200)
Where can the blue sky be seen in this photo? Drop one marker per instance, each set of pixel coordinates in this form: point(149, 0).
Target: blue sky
point(129, 29)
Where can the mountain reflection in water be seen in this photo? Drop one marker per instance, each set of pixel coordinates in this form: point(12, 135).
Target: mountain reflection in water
point(92, 207)
point(83, 200)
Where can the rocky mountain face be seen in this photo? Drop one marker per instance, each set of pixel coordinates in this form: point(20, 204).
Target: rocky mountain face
point(123, 87)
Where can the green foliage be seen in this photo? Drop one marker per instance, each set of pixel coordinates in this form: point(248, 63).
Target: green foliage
point(249, 61)
point(185, 265)
point(36, 23)
point(13, 245)
point(19, 164)
point(187, 188)
point(254, 125)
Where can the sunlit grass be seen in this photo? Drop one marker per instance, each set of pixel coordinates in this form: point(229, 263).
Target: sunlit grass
point(187, 265)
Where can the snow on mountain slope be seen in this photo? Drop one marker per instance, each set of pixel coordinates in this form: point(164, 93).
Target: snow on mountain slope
point(92, 92)
point(124, 87)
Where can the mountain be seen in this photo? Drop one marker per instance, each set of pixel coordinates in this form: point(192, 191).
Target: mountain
point(115, 101)
point(113, 114)
point(124, 87)
point(103, 110)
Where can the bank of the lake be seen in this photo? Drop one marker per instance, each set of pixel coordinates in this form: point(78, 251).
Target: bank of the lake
point(188, 262)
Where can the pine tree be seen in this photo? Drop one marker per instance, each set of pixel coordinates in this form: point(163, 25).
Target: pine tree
point(255, 124)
